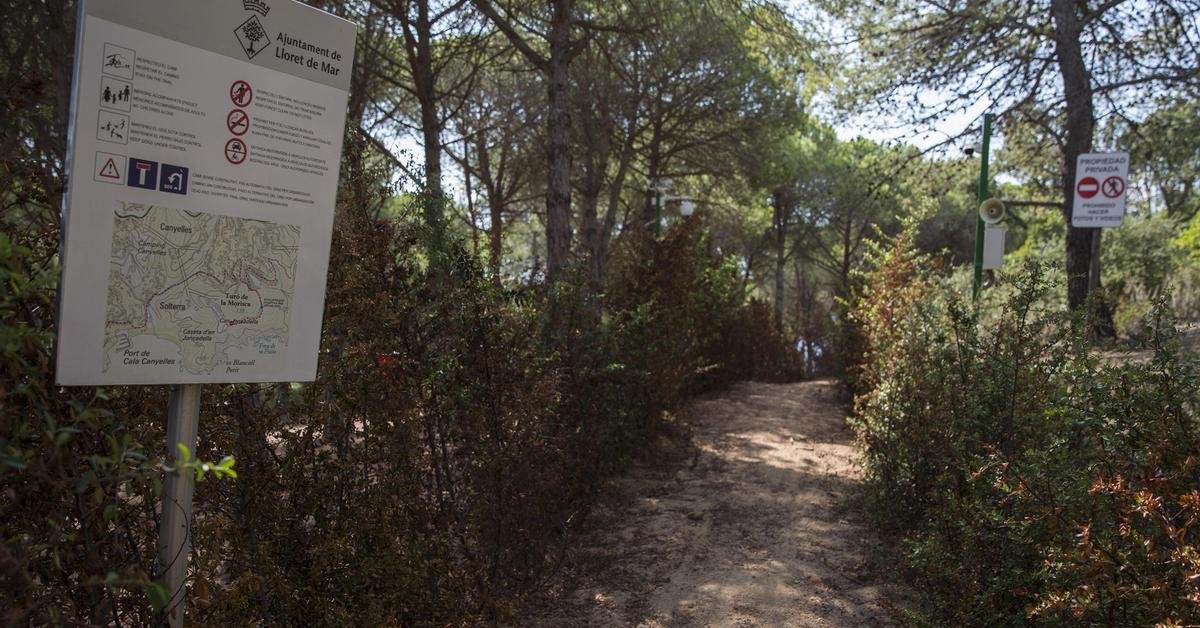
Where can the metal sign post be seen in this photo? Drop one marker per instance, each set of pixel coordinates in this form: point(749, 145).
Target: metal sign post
point(175, 525)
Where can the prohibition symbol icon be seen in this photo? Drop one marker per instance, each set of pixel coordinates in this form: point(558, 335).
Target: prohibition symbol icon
point(238, 122)
point(235, 151)
point(1088, 186)
point(1113, 187)
point(240, 93)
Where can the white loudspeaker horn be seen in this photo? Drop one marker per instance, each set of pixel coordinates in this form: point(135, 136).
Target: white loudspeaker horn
point(992, 211)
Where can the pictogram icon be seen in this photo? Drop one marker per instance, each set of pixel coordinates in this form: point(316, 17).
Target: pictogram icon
point(240, 93)
point(143, 173)
point(1088, 186)
point(1113, 187)
point(238, 122)
point(235, 151)
point(110, 168)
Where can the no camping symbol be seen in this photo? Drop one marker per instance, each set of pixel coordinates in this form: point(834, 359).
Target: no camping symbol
point(235, 151)
point(1113, 187)
point(238, 122)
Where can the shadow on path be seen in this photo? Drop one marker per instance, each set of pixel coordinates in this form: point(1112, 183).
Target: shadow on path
point(759, 526)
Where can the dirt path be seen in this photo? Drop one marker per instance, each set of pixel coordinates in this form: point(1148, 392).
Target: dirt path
point(756, 524)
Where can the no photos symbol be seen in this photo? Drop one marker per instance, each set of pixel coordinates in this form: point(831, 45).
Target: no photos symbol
point(1113, 187)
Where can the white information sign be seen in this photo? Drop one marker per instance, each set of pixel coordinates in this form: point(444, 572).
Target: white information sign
point(204, 150)
point(1101, 182)
point(993, 246)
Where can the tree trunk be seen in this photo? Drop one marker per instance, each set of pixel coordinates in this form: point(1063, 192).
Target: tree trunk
point(589, 227)
point(1103, 326)
point(780, 224)
point(495, 243)
point(591, 187)
point(654, 166)
point(495, 202)
point(431, 132)
point(610, 213)
point(1081, 124)
point(471, 213)
point(558, 147)
point(417, 31)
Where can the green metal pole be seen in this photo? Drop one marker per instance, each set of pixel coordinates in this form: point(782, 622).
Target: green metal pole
point(983, 195)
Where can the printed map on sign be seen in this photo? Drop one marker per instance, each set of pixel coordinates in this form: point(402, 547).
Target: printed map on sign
point(196, 292)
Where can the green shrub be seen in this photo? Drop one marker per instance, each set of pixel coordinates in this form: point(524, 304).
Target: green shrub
point(431, 475)
point(1033, 481)
point(77, 485)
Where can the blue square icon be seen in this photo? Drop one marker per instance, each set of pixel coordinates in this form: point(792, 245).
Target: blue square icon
point(142, 174)
point(174, 179)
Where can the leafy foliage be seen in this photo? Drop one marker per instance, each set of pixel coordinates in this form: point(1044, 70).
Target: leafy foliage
point(431, 475)
point(1035, 481)
point(78, 487)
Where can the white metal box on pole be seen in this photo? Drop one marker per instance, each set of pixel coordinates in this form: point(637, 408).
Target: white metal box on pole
point(993, 246)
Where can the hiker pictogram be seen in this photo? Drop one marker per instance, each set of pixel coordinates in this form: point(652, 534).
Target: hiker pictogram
point(240, 93)
point(118, 61)
point(238, 122)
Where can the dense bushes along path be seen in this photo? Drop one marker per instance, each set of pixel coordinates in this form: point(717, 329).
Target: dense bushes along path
point(754, 521)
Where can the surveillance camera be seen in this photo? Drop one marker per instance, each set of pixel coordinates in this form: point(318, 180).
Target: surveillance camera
point(970, 151)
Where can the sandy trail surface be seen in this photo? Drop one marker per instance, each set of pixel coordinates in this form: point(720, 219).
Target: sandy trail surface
point(755, 520)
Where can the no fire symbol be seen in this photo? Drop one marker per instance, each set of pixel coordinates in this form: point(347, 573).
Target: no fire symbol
point(238, 122)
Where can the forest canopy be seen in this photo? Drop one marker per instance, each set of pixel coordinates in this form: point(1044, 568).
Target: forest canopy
point(560, 220)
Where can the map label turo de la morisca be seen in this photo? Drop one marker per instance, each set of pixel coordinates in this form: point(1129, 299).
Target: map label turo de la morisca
point(203, 169)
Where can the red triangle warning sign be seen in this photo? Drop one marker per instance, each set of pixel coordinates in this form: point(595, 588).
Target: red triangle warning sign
point(109, 170)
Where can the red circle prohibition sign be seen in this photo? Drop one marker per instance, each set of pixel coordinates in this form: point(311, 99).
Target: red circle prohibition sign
point(1088, 186)
point(238, 122)
point(1113, 187)
point(240, 93)
point(235, 151)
